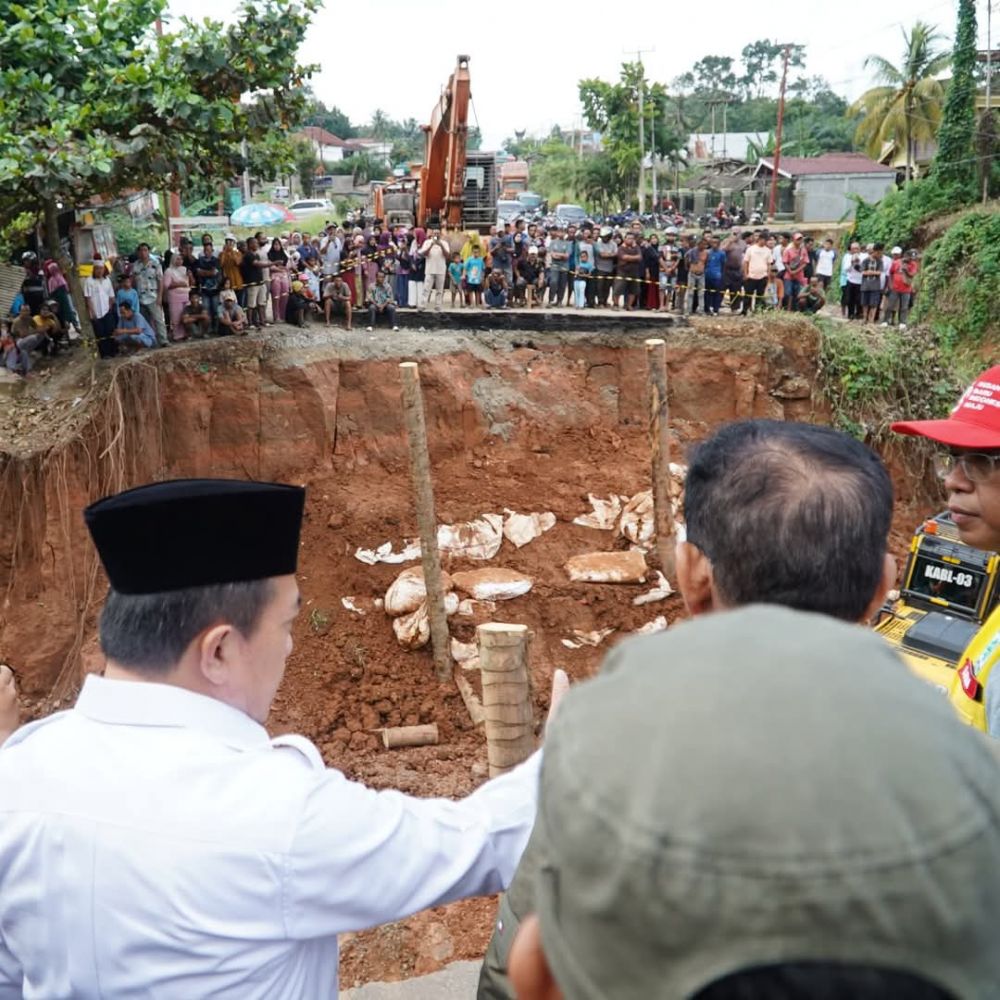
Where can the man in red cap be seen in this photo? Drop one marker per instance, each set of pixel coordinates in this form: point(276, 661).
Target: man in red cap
point(969, 463)
point(969, 466)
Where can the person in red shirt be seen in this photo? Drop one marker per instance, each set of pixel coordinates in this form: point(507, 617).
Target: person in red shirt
point(795, 258)
point(902, 271)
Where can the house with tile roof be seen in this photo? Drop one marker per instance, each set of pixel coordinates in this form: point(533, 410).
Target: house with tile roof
point(823, 188)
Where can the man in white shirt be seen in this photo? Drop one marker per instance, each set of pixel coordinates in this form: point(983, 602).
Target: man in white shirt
point(330, 250)
point(757, 262)
point(825, 262)
point(99, 294)
point(437, 252)
point(154, 841)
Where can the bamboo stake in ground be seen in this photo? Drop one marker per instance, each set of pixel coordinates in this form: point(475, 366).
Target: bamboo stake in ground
point(420, 470)
point(659, 442)
point(510, 727)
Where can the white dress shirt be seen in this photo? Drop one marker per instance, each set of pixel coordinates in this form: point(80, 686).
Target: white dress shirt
point(155, 842)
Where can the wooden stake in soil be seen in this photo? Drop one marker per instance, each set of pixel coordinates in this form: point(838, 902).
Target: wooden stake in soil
point(659, 442)
point(420, 470)
point(410, 736)
point(510, 727)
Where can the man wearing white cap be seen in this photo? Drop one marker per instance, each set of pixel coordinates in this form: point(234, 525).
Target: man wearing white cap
point(99, 294)
point(901, 274)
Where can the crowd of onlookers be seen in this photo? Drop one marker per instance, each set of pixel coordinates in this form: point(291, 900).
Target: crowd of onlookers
point(145, 301)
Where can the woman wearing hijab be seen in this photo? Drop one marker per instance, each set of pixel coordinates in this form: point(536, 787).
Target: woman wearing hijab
point(279, 279)
point(418, 264)
point(58, 289)
point(350, 267)
point(472, 241)
point(177, 285)
point(370, 266)
point(402, 270)
point(651, 270)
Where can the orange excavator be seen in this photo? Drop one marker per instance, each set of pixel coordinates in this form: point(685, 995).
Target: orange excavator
point(442, 177)
point(458, 188)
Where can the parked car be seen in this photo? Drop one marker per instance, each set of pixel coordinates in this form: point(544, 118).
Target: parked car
point(508, 211)
point(310, 206)
point(571, 215)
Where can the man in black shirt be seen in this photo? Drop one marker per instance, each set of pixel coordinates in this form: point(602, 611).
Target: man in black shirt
point(250, 272)
point(208, 273)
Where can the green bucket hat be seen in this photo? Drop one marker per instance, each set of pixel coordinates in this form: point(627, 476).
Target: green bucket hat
point(759, 787)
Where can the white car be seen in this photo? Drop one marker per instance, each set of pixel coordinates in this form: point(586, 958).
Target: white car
point(310, 206)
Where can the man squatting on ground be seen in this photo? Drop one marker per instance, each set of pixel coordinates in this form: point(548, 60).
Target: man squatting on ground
point(155, 841)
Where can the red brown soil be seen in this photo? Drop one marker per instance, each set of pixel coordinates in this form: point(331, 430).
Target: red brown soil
point(532, 427)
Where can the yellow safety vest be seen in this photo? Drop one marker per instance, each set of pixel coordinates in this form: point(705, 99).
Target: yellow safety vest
point(968, 686)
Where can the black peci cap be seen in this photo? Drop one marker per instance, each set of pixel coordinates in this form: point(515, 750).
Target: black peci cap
point(195, 533)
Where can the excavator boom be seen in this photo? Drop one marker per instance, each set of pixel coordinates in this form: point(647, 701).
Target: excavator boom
point(442, 175)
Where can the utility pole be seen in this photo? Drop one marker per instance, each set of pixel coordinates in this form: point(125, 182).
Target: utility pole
point(638, 53)
point(787, 49)
point(989, 102)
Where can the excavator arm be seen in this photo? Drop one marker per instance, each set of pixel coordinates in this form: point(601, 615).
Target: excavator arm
point(442, 176)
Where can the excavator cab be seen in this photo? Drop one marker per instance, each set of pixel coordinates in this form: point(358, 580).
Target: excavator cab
point(949, 589)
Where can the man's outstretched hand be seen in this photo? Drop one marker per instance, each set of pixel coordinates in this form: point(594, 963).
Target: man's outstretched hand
point(10, 712)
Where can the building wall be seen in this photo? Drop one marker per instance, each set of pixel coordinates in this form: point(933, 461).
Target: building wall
point(329, 154)
point(826, 197)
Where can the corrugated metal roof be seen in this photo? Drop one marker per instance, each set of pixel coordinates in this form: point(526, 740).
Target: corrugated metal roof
point(828, 163)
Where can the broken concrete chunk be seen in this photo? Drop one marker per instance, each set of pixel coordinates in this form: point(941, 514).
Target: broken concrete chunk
point(350, 604)
point(580, 638)
point(478, 539)
point(523, 528)
point(462, 651)
point(384, 553)
point(637, 522)
point(494, 584)
point(604, 514)
point(468, 608)
point(608, 567)
point(407, 592)
point(658, 624)
point(660, 592)
point(413, 630)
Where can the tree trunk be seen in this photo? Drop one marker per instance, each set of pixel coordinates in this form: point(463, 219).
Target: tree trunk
point(72, 276)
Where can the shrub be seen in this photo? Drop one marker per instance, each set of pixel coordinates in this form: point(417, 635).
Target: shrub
point(959, 284)
point(897, 216)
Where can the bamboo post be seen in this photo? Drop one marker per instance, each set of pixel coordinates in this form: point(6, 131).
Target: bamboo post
point(510, 729)
point(659, 442)
point(420, 470)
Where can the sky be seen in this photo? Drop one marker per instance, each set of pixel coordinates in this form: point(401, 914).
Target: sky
point(397, 55)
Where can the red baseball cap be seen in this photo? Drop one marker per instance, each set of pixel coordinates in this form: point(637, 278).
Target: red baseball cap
point(973, 423)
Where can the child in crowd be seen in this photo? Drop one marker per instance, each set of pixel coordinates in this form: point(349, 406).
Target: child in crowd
point(529, 271)
point(584, 269)
point(455, 278)
point(474, 269)
point(127, 294)
point(298, 305)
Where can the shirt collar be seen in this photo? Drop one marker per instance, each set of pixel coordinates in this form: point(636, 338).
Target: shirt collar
point(144, 703)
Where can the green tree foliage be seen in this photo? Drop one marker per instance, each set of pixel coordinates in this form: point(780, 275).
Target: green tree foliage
point(954, 160)
point(960, 280)
point(474, 138)
point(898, 216)
point(94, 102)
point(330, 118)
point(613, 110)
point(306, 163)
point(905, 106)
